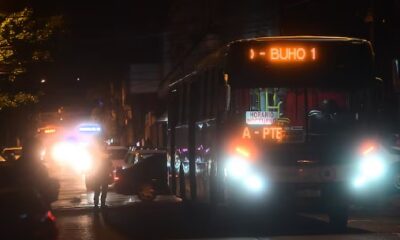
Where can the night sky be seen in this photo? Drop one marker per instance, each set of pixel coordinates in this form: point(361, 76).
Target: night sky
point(102, 38)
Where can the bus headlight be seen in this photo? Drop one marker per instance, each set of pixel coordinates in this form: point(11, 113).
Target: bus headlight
point(240, 171)
point(254, 183)
point(237, 167)
point(371, 167)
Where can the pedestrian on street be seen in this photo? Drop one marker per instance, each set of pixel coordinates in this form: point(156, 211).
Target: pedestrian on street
point(101, 177)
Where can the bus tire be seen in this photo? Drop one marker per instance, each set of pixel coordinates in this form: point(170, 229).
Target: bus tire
point(338, 217)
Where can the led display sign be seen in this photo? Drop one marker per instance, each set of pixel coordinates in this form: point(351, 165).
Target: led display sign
point(264, 133)
point(285, 54)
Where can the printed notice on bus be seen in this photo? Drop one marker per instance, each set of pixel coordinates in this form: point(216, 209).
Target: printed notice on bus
point(260, 117)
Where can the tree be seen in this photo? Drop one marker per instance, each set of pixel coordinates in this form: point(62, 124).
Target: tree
point(24, 41)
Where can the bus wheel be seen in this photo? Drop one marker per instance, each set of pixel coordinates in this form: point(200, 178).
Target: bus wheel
point(147, 192)
point(338, 216)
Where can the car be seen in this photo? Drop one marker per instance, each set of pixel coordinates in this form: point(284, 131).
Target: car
point(145, 174)
point(25, 216)
point(11, 153)
point(117, 155)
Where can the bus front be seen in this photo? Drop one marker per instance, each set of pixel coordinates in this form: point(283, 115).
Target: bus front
point(298, 116)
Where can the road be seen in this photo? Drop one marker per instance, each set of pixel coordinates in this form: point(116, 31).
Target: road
point(175, 220)
point(168, 217)
point(73, 194)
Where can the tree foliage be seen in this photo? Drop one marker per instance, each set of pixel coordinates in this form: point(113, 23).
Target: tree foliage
point(15, 100)
point(24, 41)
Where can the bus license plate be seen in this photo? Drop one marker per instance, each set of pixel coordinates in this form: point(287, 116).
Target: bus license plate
point(309, 193)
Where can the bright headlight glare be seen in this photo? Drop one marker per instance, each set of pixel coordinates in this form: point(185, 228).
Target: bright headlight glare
point(254, 183)
point(372, 166)
point(62, 152)
point(359, 182)
point(237, 167)
point(73, 155)
point(82, 160)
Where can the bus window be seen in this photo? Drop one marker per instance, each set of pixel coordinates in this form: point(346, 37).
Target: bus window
point(205, 95)
point(196, 100)
point(183, 104)
point(326, 109)
point(210, 94)
point(214, 83)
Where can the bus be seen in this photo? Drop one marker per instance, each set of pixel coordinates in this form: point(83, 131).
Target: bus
point(286, 120)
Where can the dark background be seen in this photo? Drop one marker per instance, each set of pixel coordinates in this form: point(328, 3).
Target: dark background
point(102, 40)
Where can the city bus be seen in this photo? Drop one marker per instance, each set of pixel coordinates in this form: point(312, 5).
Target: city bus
point(286, 120)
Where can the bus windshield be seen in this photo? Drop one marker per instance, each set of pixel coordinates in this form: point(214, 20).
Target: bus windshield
point(319, 111)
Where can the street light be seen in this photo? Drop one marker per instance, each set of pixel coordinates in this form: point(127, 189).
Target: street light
point(43, 80)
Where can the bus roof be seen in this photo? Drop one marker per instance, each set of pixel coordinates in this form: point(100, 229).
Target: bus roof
point(305, 38)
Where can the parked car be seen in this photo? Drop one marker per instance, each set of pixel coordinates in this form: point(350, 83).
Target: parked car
point(25, 216)
point(117, 155)
point(145, 174)
point(11, 153)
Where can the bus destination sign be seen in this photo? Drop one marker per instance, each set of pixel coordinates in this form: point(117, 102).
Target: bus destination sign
point(263, 133)
point(284, 54)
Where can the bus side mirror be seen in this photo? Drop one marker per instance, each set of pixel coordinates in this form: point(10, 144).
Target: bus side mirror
point(396, 75)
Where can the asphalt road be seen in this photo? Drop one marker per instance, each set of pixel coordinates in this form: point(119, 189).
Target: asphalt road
point(176, 220)
point(168, 217)
point(73, 194)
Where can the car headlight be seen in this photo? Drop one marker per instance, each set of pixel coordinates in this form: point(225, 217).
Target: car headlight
point(73, 155)
point(82, 161)
point(62, 152)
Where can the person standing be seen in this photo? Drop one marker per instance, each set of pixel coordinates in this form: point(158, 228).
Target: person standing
point(101, 177)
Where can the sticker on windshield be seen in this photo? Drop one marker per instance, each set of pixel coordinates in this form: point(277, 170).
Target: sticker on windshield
point(260, 117)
